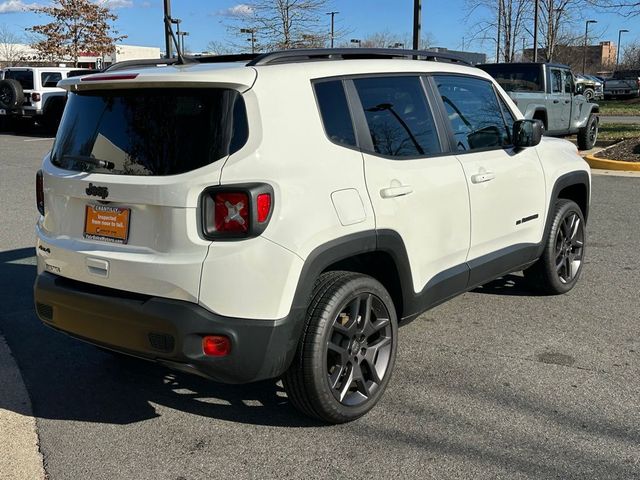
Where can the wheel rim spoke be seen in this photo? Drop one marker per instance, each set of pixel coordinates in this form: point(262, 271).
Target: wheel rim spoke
point(359, 349)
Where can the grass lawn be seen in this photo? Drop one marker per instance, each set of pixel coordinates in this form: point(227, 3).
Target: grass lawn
point(617, 131)
point(620, 107)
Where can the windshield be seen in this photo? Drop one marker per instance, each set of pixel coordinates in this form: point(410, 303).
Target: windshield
point(24, 77)
point(516, 78)
point(149, 131)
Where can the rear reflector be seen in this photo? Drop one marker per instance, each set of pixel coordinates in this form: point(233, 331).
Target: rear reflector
point(35, 97)
point(216, 345)
point(99, 78)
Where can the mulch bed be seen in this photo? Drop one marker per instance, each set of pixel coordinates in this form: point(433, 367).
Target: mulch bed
point(626, 150)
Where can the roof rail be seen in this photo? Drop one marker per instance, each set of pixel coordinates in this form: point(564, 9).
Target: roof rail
point(187, 59)
point(320, 54)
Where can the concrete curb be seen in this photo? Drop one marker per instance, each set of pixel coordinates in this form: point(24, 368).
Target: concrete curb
point(20, 457)
point(604, 164)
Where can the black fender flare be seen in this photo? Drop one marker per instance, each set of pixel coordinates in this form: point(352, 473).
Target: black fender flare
point(578, 177)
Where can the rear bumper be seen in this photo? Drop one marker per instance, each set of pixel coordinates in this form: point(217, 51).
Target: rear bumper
point(22, 112)
point(167, 331)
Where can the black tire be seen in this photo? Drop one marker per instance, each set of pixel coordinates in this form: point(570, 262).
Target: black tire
point(588, 135)
point(356, 352)
point(11, 94)
point(558, 269)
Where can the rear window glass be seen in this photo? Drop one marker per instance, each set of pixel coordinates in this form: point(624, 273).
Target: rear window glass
point(50, 79)
point(516, 78)
point(149, 131)
point(335, 112)
point(25, 77)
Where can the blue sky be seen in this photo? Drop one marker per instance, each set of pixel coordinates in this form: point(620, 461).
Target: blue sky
point(443, 19)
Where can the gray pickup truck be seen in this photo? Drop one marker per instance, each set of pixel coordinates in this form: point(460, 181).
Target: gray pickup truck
point(624, 83)
point(549, 93)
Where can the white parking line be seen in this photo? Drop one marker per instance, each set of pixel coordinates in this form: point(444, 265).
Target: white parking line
point(38, 139)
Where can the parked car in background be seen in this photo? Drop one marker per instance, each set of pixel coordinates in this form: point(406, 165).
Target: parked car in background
point(549, 93)
point(623, 83)
point(29, 94)
point(593, 88)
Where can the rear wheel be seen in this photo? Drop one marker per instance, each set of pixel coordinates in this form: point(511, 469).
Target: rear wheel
point(347, 352)
point(559, 267)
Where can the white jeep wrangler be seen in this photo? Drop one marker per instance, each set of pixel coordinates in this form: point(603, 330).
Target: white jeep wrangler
point(281, 217)
point(31, 93)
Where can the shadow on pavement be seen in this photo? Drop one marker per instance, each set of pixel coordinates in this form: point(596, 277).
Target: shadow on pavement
point(25, 129)
point(71, 380)
point(508, 285)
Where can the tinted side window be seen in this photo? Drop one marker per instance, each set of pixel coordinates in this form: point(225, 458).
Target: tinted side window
point(556, 81)
point(25, 77)
point(568, 82)
point(474, 112)
point(50, 79)
point(398, 116)
point(335, 112)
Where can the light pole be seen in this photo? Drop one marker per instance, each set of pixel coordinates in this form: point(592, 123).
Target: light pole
point(333, 14)
point(356, 41)
point(586, 35)
point(177, 22)
point(417, 23)
point(252, 31)
point(620, 32)
point(181, 36)
point(167, 28)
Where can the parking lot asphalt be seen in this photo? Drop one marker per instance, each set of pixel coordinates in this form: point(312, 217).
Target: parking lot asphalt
point(497, 383)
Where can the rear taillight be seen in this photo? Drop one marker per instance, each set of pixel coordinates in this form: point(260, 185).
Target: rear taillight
point(35, 97)
point(236, 211)
point(231, 212)
point(40, 192)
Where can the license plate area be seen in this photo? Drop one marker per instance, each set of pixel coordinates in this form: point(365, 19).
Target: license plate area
point(106, 223)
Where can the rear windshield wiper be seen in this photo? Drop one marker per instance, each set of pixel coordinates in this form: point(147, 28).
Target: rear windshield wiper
point(91, 160)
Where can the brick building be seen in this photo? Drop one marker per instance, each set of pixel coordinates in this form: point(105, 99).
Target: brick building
point(601, 58)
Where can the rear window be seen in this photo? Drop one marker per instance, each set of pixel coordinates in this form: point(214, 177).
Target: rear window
point(24, 77)
point(50, 79)
point(149, 131)
point(520, 78)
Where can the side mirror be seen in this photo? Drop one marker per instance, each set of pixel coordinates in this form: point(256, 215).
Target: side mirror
point(527, 133)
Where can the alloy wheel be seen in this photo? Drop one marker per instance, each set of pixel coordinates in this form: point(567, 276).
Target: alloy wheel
point(359, 349)
point(569, 247)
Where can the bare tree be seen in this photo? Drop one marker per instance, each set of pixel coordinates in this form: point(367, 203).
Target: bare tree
point(282, 24)
point(509, 15)
point(10, 50)
point(631, 57)
point(77, 26)
point(557, 25)
point(629, 8)
point(387, 39)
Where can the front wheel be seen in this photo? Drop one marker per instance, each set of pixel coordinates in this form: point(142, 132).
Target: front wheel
point(588, 135)
point(347, 352)
point(559, 267)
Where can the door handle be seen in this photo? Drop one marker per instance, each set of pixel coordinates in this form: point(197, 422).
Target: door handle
point(396, 191)
point(482, 177)
point(567, 101)
point(556, 101)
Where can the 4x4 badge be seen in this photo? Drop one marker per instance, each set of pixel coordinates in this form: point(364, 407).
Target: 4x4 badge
point(102, 192)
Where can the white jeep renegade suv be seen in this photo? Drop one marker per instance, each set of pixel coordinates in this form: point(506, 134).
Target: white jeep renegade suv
point(281, 217)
